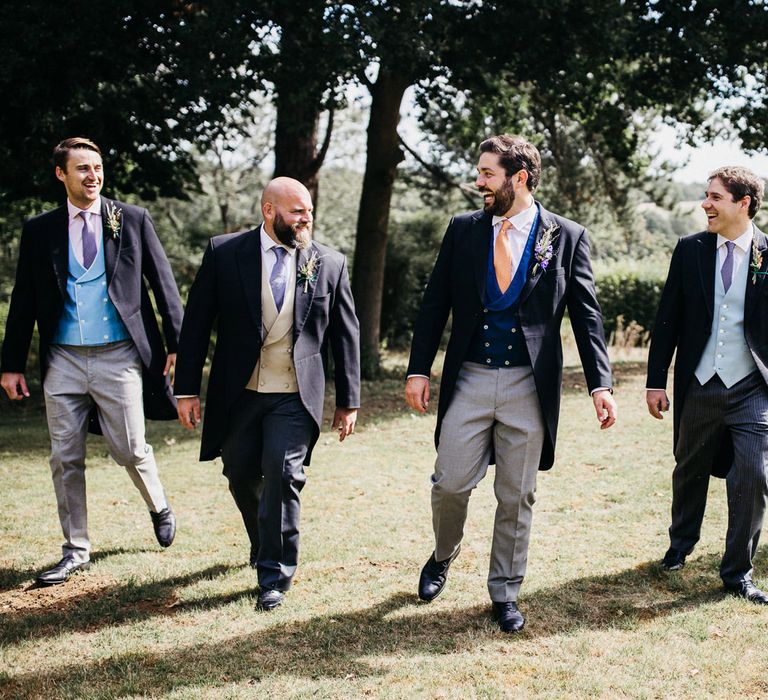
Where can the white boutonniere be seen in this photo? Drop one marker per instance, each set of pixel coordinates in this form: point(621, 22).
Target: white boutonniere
point(307, 273)
point(757, 261)
point(114, 220)
point(545, 248)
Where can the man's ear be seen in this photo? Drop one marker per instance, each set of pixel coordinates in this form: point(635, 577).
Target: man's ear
point(60, 174)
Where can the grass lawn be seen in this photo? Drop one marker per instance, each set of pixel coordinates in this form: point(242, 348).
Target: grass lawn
point(602, 619)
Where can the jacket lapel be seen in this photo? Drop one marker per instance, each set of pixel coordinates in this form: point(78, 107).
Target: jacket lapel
point(706, 264)
point(754, 288)
point(60, 248)
point(545, 221)
point(482, 236)
point(109, 241)
point(305, 291)
point(249, 265)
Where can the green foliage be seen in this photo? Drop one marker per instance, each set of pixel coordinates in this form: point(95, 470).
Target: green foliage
point(411, 251)
point(629, 297)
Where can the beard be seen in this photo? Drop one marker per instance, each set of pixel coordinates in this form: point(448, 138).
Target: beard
point(294, 236)
point(503, 199)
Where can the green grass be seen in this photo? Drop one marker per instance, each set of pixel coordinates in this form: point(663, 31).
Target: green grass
point(603, 620)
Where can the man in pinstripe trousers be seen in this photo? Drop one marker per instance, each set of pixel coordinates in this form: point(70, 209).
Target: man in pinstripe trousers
point(713, 310)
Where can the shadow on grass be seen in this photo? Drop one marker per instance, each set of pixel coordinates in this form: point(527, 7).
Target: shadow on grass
point(110, 605)
point(334, 646)
point(10, 578)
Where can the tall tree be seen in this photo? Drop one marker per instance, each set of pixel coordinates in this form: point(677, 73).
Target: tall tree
point(404, 42)
point(141, 77)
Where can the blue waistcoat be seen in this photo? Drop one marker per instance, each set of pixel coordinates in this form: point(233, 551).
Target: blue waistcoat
point(89, 316)
point(498, 341)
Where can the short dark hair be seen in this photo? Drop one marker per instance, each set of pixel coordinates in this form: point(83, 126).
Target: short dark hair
point(741, 182)
point(515, 154)
point(61, 152)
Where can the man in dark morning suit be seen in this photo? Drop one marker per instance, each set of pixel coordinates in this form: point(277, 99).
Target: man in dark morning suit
point(81, 276)
point(713, 313)
point(506, 274)
point(279, 299)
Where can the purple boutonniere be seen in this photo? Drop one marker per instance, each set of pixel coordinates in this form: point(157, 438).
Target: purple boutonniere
point(544, 250)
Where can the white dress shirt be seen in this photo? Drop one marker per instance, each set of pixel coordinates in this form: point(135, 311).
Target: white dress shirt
point(268, 254)
point(741, 250)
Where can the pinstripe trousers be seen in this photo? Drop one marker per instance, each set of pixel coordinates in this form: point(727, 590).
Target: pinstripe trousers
point(709, 413)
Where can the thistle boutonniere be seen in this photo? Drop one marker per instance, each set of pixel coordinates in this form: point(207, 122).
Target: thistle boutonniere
point(545, 248)
point(307, 273)
point(114, 219)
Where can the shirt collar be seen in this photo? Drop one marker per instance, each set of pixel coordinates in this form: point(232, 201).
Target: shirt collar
point(521, 220)
point(744, 241)
point(267, 243)
point(94, 209)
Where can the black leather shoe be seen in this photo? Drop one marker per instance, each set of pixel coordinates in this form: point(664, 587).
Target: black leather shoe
point(433, 577)
point(510, 619)
point(749, 591)
point(269, 599)
point(673, 560)
point(62, 571)
point(164, 523)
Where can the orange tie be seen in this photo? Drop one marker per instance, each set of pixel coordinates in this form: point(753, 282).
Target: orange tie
point(502, 257)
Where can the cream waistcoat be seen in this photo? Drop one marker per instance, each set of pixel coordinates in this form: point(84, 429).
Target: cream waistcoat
point(274, 372)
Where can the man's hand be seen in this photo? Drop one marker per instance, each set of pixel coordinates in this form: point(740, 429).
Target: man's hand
point(417, 393)
point(170, 362)
point(189, 412)
point(15, 385)
point(605, 408)
point(344, 420)
point(657, 401)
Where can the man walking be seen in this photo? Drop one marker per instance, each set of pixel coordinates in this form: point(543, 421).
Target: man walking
point(278, 299)
point(507, 274)
point(712, 312)
point(81, 277)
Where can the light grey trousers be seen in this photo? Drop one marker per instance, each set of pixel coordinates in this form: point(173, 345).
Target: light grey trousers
point(108, 376)
point(490, 409)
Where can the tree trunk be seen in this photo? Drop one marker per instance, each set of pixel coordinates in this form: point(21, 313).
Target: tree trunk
point(296, 141)
point(382, 158)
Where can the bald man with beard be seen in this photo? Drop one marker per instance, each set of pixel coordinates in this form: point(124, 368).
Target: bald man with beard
point(279, 300)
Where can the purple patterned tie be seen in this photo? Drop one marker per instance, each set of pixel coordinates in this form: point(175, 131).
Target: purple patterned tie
point(89, 240)
point(727, 270)
point(277, 278)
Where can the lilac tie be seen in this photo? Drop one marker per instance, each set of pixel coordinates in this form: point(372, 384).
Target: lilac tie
point(277, 278)
point(727, 270)
point(89, 240)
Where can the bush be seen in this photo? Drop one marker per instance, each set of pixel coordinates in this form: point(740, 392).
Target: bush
point(629, 298)
point(411, 253)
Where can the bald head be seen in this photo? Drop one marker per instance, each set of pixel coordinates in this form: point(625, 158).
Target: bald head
point(282, 188)
point(287, 208)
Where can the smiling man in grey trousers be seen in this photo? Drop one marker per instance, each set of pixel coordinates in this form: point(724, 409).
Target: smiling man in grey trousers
point(81, 277)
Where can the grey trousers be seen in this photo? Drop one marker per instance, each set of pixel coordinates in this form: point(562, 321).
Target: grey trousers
point(108, 376)
point(708, 413)
point(499, 409)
